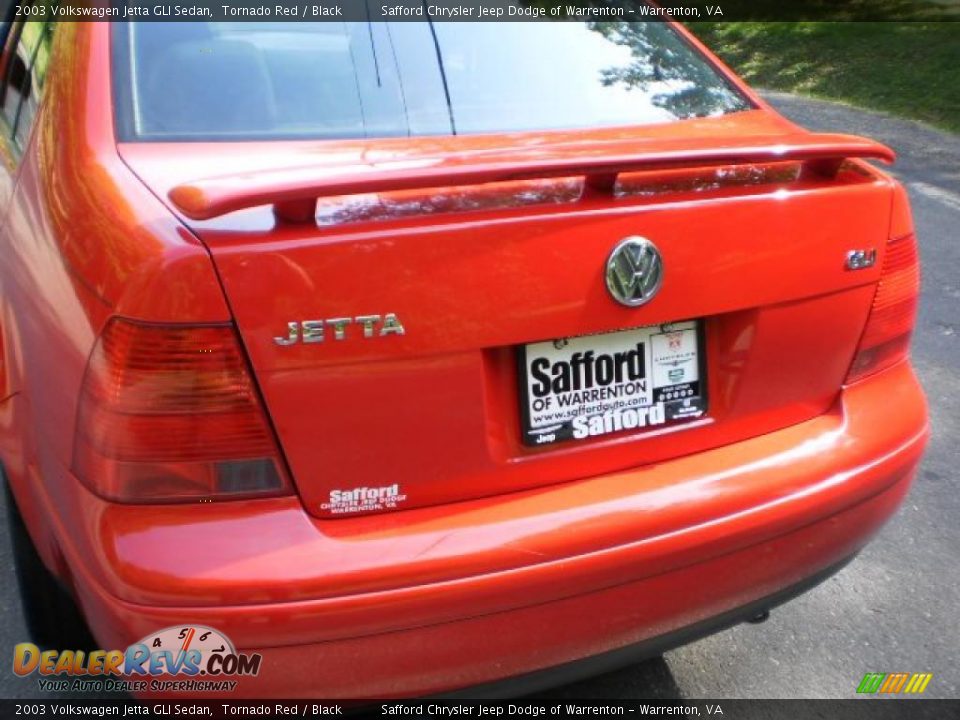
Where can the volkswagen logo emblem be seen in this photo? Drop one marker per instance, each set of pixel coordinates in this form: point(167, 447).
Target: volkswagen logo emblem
point(634, 271)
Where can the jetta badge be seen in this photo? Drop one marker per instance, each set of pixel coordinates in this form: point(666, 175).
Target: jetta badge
point(634, 271)
point(316, 331)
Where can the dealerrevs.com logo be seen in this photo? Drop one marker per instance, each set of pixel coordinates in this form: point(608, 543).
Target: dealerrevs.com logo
point(191, 658)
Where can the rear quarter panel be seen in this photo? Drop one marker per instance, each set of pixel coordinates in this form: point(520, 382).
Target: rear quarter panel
point(82, 239)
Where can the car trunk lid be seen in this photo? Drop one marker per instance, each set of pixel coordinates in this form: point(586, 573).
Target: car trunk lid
point(430, 265)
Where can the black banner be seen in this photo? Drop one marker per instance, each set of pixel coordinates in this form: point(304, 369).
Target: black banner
point(862, 709)
point(487, 10)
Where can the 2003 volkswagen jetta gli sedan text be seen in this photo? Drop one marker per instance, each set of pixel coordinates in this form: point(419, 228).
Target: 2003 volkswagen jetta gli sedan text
point(415, 366)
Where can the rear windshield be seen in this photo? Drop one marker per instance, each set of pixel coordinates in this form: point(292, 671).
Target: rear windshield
point(240, 81)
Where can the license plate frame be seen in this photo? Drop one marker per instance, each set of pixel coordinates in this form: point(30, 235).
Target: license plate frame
point(674, 383)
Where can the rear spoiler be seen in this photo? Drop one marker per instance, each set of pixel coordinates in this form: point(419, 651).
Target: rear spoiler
point(294, 192)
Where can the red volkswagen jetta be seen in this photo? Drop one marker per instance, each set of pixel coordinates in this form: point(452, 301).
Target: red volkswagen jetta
point(416, 357)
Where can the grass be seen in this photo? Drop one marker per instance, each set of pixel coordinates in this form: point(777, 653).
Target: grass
point(907, 68)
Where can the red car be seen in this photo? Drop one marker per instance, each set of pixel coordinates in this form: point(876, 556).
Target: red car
point(419, 356)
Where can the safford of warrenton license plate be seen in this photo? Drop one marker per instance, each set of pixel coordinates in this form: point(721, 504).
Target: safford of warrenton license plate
point(626, 381)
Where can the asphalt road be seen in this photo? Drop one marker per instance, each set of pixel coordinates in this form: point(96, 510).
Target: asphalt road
point(895, 608)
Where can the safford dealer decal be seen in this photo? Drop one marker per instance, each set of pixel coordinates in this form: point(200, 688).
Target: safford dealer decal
point(594, 385)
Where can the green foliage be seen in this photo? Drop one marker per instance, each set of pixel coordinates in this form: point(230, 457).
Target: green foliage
point(910, 68)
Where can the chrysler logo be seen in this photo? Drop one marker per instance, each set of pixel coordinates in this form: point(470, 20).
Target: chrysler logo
point(634, 271)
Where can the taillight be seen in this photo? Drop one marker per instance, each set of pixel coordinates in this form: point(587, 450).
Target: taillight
point(886, 338)
point(171, 413)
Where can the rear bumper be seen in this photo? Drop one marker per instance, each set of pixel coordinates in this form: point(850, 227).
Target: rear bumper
point(593, 665)
point(508, 586)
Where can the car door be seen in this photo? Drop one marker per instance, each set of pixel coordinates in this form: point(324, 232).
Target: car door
point(23, 69)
